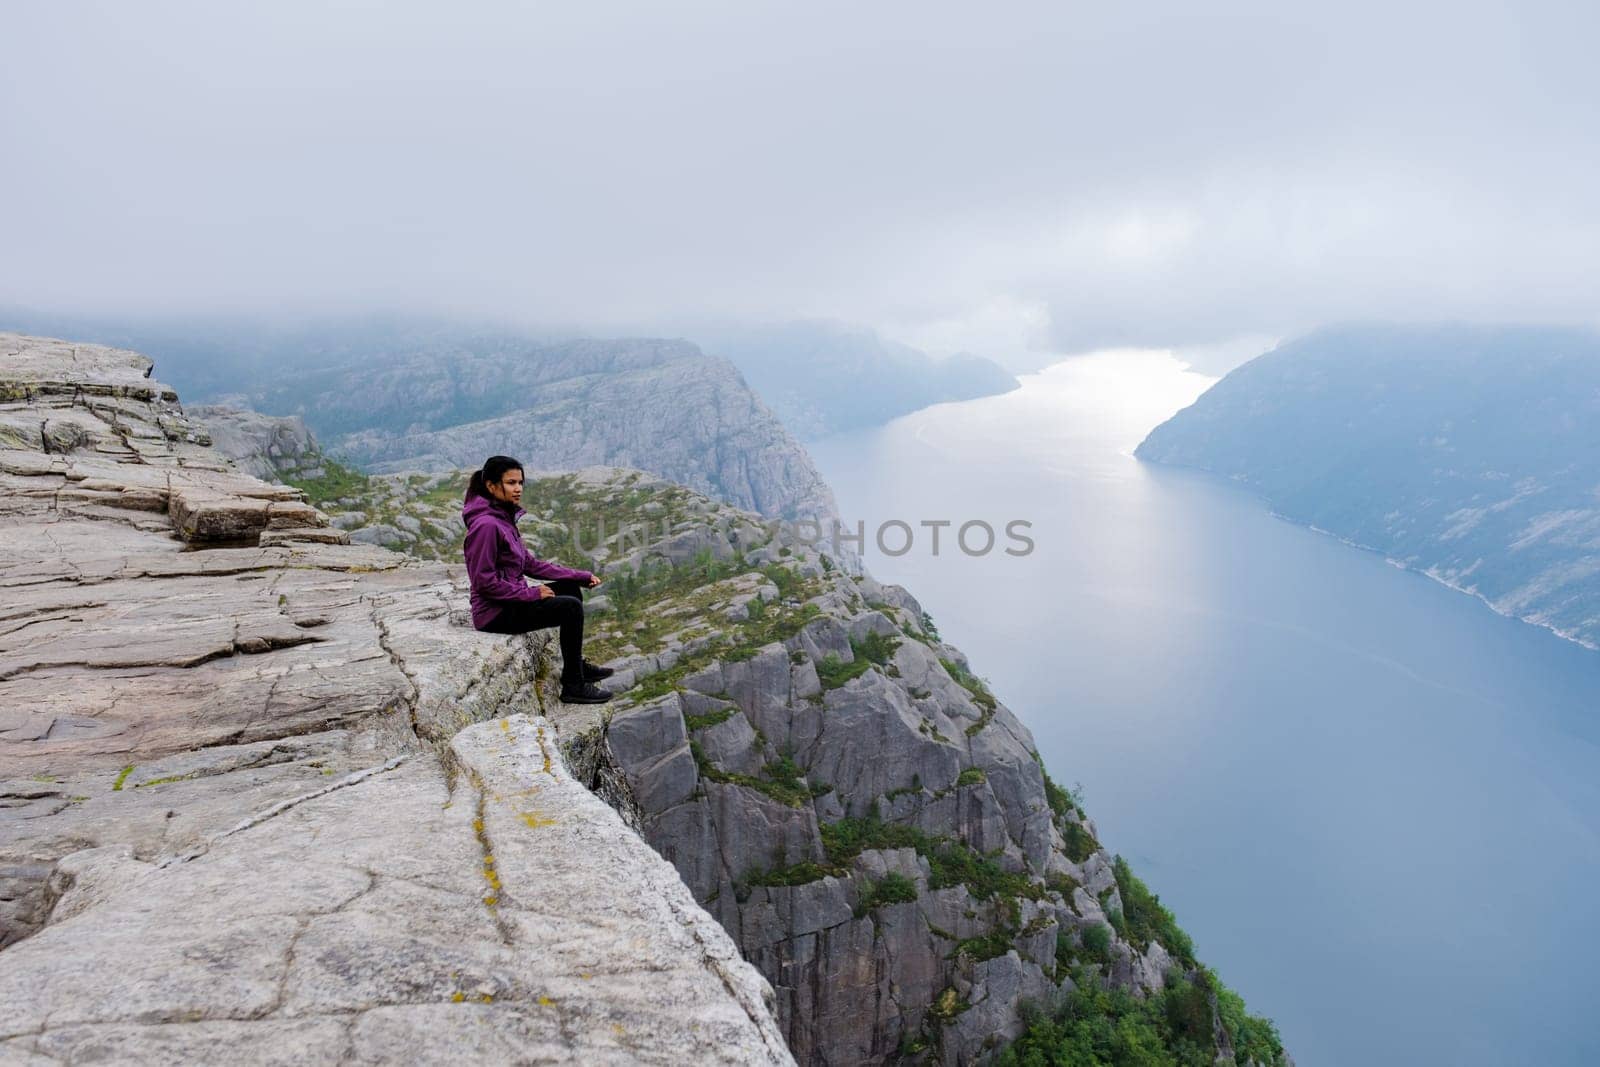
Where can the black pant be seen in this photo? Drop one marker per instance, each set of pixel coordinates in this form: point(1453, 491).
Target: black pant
point(565, 610)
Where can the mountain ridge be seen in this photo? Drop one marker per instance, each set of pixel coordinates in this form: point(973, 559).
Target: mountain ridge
point(1457, 451)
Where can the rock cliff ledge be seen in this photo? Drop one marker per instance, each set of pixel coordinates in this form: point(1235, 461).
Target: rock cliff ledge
point(263, 798)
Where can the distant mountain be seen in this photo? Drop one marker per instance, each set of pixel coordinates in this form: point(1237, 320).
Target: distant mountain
point(394, 394)
point(823, 378)
point(1469, 453)
point(661, 406)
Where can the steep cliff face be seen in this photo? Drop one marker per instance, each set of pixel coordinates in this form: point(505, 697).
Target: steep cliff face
point(867, 821)
point(263, 798)
point(661, 406)
point(870, 824)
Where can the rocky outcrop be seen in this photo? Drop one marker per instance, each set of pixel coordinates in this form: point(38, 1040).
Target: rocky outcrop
point(263, 798)
point(755, 776)
point(870, 824)
point(270, 447)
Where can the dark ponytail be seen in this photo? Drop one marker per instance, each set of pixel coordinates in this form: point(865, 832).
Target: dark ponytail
point(494, 469)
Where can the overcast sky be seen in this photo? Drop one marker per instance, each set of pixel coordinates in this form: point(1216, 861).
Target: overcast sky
point(984, 176)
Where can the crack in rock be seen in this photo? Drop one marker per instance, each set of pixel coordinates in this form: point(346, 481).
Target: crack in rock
point(283, 806)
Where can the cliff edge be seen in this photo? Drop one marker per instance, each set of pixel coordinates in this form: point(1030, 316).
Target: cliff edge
point(263, 797)
point(872, 826)
point(261, 783)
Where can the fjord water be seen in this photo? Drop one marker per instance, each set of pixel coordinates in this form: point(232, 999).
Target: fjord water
point(1373, 803)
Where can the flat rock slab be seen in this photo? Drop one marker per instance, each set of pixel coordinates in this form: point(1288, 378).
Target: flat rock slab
point(511, 918)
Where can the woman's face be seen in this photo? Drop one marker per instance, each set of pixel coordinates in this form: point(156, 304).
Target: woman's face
point(508, 488)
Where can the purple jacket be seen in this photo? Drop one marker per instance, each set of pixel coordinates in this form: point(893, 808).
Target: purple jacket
point(498, 561)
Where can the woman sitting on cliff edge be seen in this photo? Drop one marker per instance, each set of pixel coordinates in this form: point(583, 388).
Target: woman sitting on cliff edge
point(498, 564)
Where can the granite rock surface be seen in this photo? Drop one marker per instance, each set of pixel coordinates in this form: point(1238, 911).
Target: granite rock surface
point(263, 796)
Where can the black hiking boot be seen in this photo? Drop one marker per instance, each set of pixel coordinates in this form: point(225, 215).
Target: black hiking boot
point(584, 693)
point(593, 672)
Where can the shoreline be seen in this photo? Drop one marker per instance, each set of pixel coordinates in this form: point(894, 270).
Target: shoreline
point(1431, 574)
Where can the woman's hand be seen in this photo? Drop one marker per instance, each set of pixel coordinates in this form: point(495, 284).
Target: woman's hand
point(545, 591)
point(594, 580)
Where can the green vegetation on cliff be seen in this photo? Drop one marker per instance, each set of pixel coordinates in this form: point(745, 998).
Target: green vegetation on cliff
point(1096, 1026)
point(671, 611)
point(336, 482)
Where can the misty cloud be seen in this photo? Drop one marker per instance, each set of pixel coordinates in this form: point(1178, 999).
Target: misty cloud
point(1001, 177)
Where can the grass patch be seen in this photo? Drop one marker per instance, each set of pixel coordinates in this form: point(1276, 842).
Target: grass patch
point(977, 688)
point(1060, 800)
point(709, 719)
point(872, 650)
point(995, 943)
point(875, 647)
point(954, 863)
point(787, 579)
point(662, 682)
point(632, 591)
point(172, 778)
point(781, 779)
point(795, 874)
point(848, 838)
point(950, 862)
point(338, 482)
point(946, 1007)
point(892, 888)
point(745, 643)
point(1064, 884)
point(971, 776)
point(1145, 919)
point(833, 672)
point(904, 790)
point(970, 682)
point(1081, 844)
